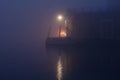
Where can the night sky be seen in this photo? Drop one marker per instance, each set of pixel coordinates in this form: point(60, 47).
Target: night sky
point(27, 21)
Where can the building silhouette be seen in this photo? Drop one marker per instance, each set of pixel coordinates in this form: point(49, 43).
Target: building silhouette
point(93, 25)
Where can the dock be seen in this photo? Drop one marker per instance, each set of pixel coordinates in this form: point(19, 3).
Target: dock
point(60, 41)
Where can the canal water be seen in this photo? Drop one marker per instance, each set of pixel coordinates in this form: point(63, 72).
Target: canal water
point(34, 62)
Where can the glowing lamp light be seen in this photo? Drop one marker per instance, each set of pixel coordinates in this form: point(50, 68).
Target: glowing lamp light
point(63, 34)
point(60, 17)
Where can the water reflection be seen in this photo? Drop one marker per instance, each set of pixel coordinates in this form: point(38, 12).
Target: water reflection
point(83, 63)
point(59, 69)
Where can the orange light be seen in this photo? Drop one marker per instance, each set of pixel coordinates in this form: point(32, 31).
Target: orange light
point(63, 34)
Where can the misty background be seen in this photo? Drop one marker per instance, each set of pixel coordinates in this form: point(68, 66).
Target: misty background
point(27, 21)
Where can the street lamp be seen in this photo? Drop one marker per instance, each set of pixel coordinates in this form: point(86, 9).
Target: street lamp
point(60, 18)
point(61, 33)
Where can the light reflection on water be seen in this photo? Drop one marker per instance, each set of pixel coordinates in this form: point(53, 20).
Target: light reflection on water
point(83, 64)
point(34, 63)
point(59, 69)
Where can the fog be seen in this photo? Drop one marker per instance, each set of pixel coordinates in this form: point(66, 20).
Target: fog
point(27, 21)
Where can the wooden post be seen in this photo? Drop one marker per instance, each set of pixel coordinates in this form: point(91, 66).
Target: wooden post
point(59, 30)
point(49, 30)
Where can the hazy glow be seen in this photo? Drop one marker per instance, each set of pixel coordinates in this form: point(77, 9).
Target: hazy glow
point(60, 17)
point(59, 69)
point(63, 34)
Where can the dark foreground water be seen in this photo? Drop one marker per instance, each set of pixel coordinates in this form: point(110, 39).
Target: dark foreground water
point(33, 62)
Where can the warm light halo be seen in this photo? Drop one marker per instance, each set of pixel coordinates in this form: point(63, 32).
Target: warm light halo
point(60, 17)
point(63, 34)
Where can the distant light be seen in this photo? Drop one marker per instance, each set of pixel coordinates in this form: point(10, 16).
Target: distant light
point(63, 34)
point(60, 17)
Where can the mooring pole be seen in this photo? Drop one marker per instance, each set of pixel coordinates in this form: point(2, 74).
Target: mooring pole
point(59, 30)
point(49, 32)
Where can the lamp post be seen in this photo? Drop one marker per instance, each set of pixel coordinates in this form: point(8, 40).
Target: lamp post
point(60, 18)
